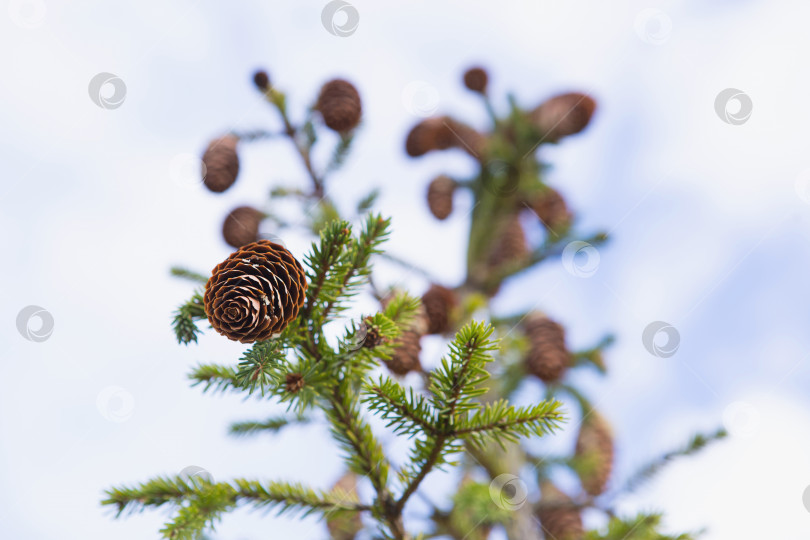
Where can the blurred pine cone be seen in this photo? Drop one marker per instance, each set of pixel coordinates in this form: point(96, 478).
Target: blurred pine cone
point(548, 357)
point(340, 105)
point(344, 525)
point(241, 226)
point(440, 196)
point(406, 356)
point(558, 521)
point(563, 115)
point(512, 247)
point(438, 302)
point(476, 79)
point(262, 80)
point(220, 163)
point(552, 210)
point(294, 382)
point(441, 133)
point(255, 293)
point(594, 452)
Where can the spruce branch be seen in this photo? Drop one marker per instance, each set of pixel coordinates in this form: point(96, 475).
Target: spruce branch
point(271, 425)
point(302, 148)
point(326, 260)
point(593, 356)
point(340, 153)
point(641, 527)
point(549, 249)
point(288, 497)
point(453, 386)
point(184, 324)
point(201, 502)
point(200, 512)
point(363, 453)
point(366, 203)
point(374, 233)
point(455, 383)
point(155, 492)
point(260, 366)
point(408, 413)
point(697, 443)
point(220, 378)
point(185, 273)
point(504, 423)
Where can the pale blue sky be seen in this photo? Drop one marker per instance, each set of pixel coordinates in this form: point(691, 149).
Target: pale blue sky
point(710, 232)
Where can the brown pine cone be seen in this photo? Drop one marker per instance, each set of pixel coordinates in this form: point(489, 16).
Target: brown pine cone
point(438, 302)
point(220, 163)
point(476, 79)
point(255, 293)
point(340, 105)
point(441, 133)
point(594, 451)
point(548, 357)
point(262, 80)
point(559, 522)
point(440, 196)
point(511, 247)
point(345, 526)
point(241, 226)
point(294, 382)
point(563, 115)
point(552, 210)
point(406, 356)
